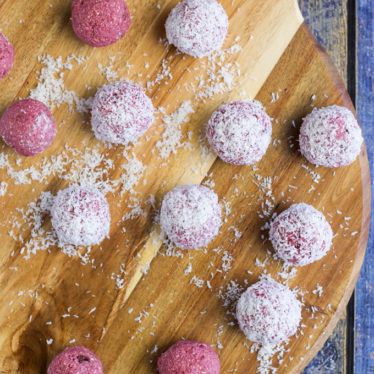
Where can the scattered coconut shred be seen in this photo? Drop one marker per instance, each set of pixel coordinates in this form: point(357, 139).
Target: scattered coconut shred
point(213, 76)
point(91, 167)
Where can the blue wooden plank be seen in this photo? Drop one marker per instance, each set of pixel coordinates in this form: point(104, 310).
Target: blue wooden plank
point(364, 324)
point(330, 359)
point(327, 21)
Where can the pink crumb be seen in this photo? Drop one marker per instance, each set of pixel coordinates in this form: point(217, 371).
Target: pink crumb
point(300, 235)
point(268, 312)
point(240, 132)
point(121, 113)
point(190, 216)
point(7, 54)
point(189, 357)
point(330, 137)
point(28, 127)
point(80, 216)
point(99, 23)
point(75, 360)
point(197, 27)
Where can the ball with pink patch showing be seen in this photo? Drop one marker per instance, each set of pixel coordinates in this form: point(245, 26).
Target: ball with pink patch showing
point(99, 23)
point(268, 312)
point(121, 113)
point(197, 27)
point(7, 54)
point(28, 127)
point(240, 132)
point(75, 360)
point(330, 137)
point(190, 216)
point(189, 357)
point(80, 216)
point(300, 235)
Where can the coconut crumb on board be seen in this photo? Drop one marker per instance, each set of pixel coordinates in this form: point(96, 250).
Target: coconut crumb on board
point(171, 138)
point(51, 88)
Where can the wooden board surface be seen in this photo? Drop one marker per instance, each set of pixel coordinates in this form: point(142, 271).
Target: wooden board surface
point(51, 300)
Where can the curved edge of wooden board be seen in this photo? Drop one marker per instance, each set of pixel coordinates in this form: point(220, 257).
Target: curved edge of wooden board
point(366, 190)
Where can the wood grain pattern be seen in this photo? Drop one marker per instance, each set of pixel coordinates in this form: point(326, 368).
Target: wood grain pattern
point(364, 326)
point(283, 57)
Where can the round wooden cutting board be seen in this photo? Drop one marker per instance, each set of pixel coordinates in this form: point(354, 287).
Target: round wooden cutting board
point(133, 296)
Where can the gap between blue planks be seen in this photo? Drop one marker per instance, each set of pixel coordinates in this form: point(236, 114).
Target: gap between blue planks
point(364, 324)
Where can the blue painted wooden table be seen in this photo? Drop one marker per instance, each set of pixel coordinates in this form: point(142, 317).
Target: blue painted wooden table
point(347, 26)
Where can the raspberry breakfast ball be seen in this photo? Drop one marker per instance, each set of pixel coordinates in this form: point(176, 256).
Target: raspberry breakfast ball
point(330, 137)
point(189, 357)
point(99, 23)
point(240, 132)
point(121, 113)
point(28, 127)
point(80, 216)
point(190, 216)
point(197, 27)
point(6, 56)
point(268, 312)
point(300, 235)
point(75, 360)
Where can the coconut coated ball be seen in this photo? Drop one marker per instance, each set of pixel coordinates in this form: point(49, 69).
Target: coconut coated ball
point(190, 216)
point(240, 132)
point(99, 23)
point(197, 27)
point(80, 216)
point(268, 312)
point(75, 360)
point(121, 113)
point(6, 56)
point(330, 137)
point(189, 357)
point(28, 127)
point(300, 235)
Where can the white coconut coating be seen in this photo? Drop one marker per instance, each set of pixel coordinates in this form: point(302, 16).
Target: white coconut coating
point(330, 137)
point(197, 27)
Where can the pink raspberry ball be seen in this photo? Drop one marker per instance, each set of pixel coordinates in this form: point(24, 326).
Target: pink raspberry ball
point(80, 216)
point(189, 357)
point(28, 127)
point(190, 216)
point(330, 137)
point(121, 113)
point(300, 235)
point(99, 23)
point(240, 132)
point(197, 27)
point(75, 360)
point(6, 56)
point(268, 312)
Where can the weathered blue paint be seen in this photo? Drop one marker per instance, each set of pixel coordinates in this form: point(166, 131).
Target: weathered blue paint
point(326, 19)
point(322, 16)
point(330, 359)
point(364, 324)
